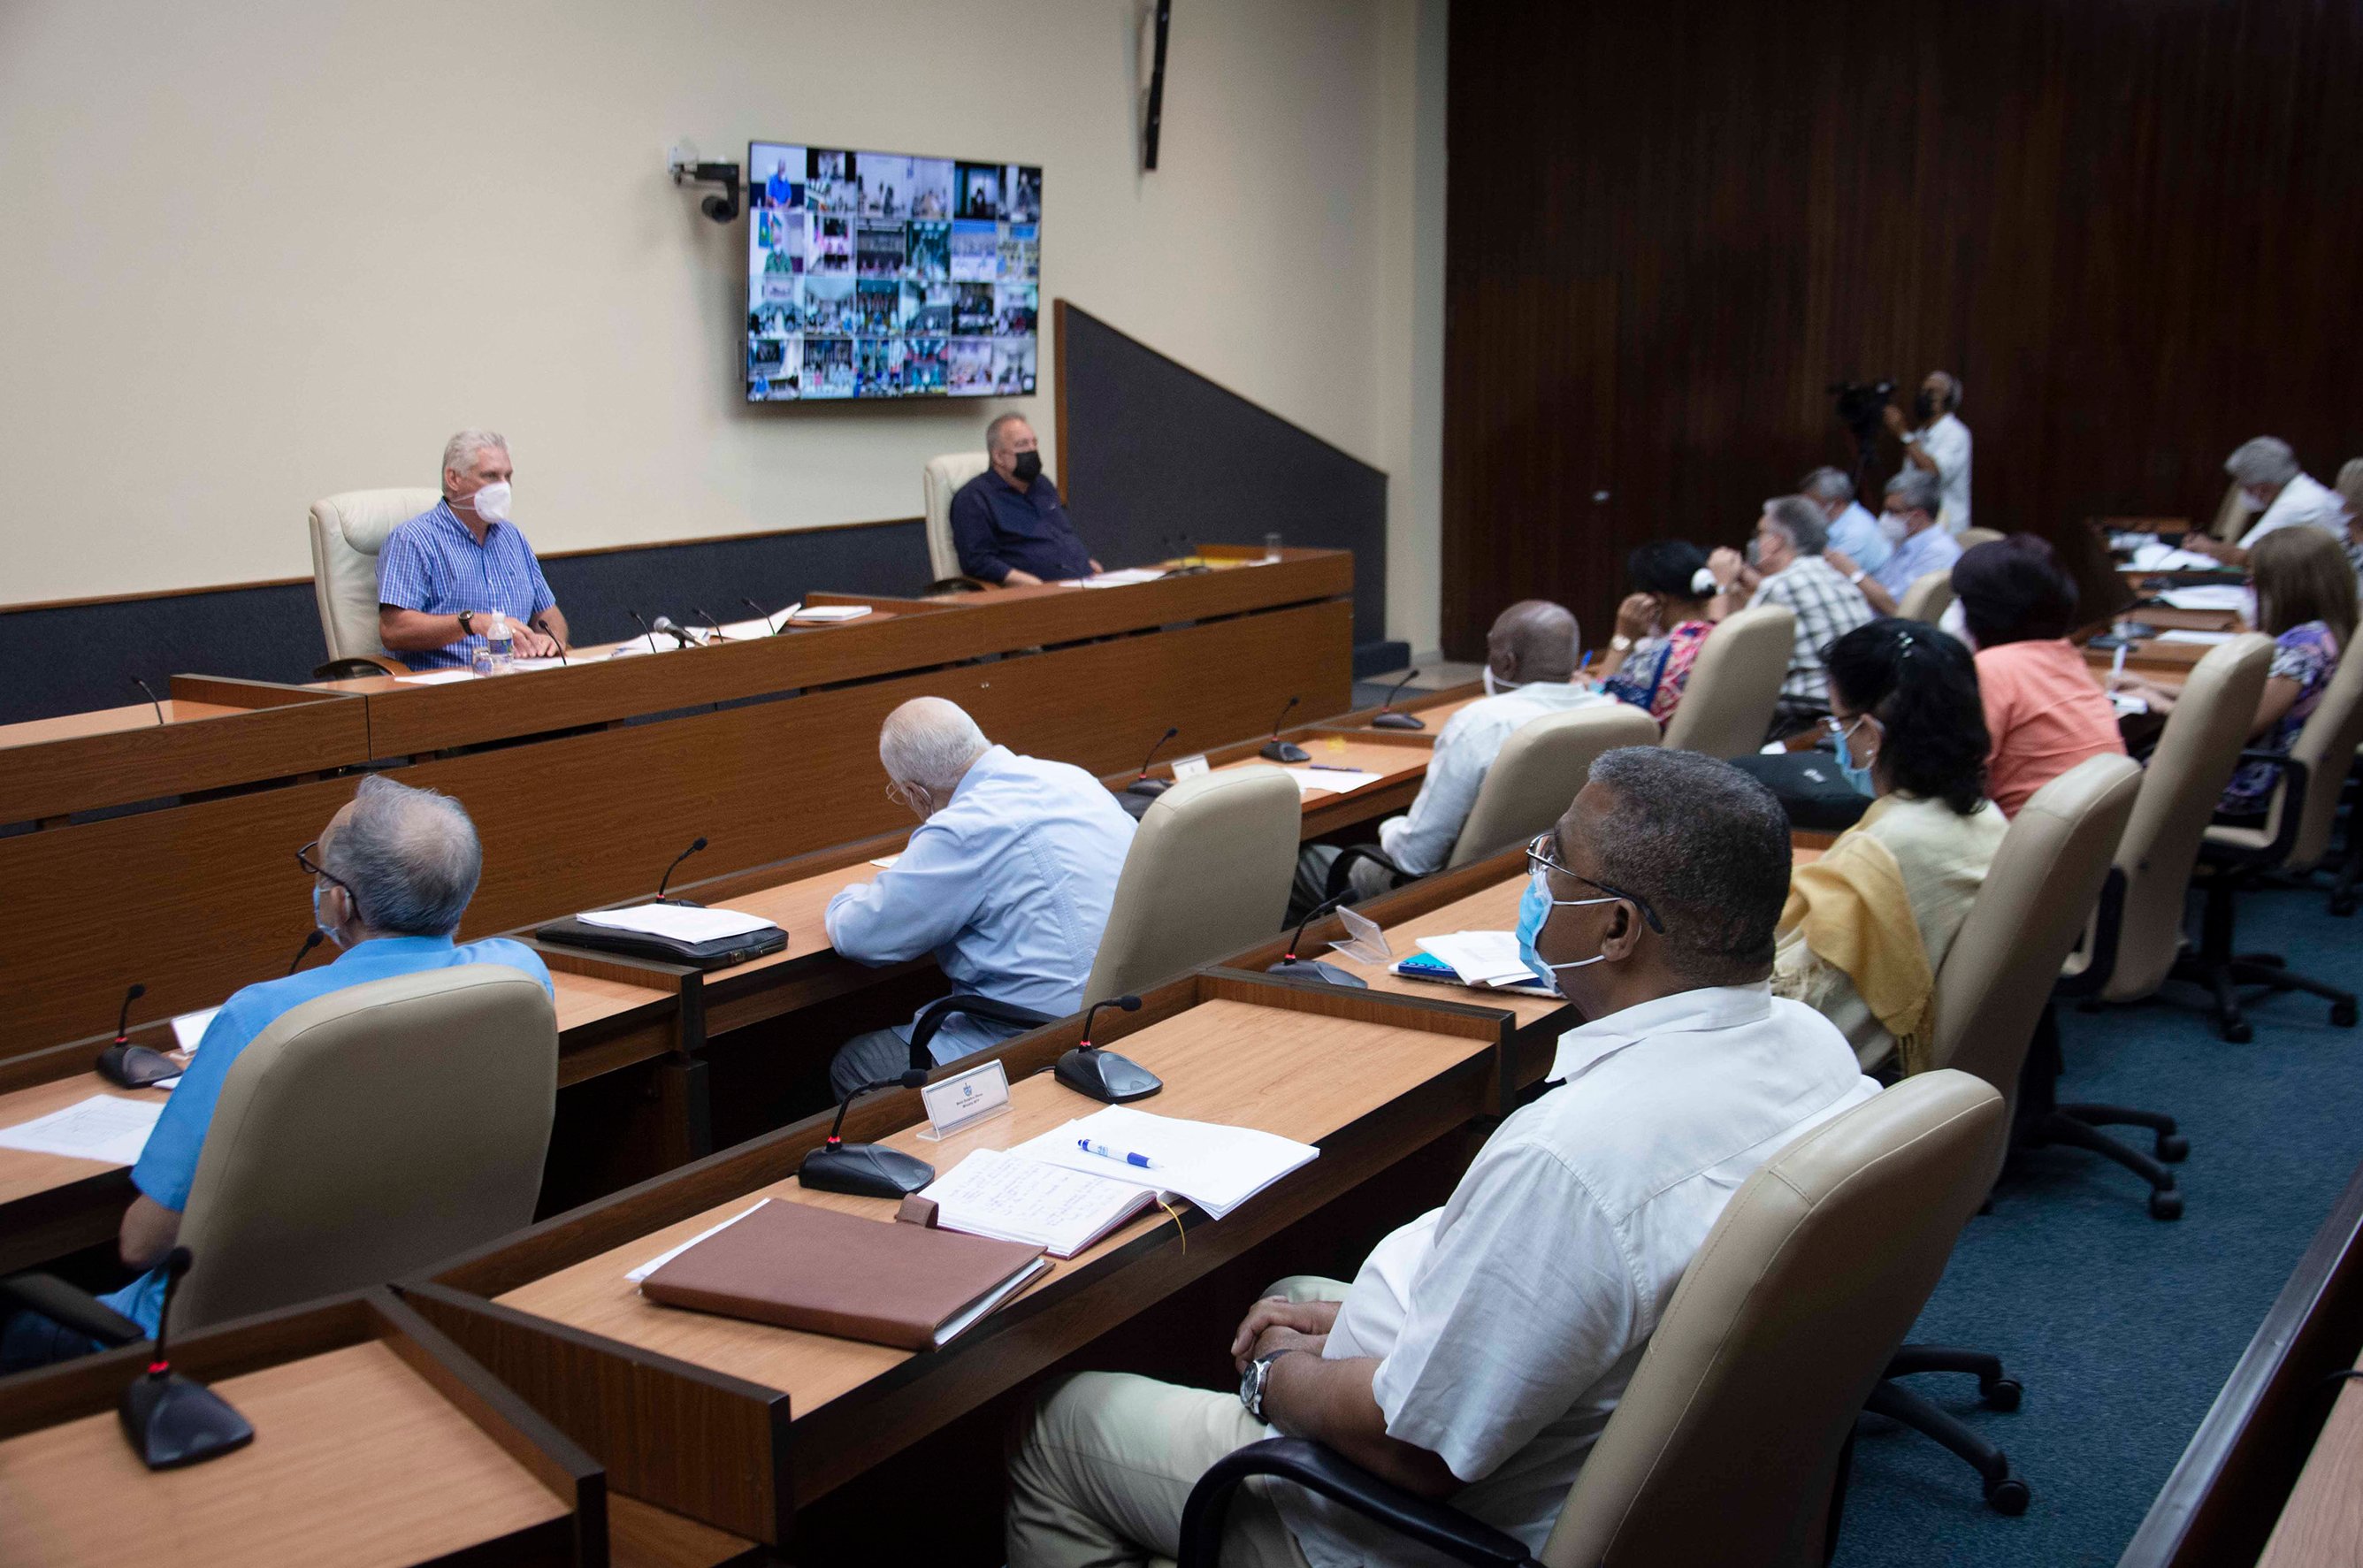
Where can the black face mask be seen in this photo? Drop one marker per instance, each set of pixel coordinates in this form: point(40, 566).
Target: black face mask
point(1923, 406)
point(1027, 466)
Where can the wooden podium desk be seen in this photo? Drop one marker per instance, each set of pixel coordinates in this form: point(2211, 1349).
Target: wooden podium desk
point(737, 1423)
point(585, 782)
point(376, 1442)
point(51, 1205)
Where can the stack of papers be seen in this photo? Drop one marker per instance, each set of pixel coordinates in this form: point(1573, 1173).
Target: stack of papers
point(100, 1128)
point(1480, 958)
point(436, 678)
point(1123, 579)
point(1216, 1167)
point(678, 922)
point(2199, 638)
point(2208, 596)
point(2157, 556)
point(831, 612)
point(1007, 1196)
point(1336, 781)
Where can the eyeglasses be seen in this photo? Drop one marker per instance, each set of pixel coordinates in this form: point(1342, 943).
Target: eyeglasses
point(303, 858)
point(1540, 858)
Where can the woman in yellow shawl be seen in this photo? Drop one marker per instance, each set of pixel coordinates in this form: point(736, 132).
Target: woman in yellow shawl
point(1867, 925)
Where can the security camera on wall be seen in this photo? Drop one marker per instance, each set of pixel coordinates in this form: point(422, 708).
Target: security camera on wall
point(885, 276)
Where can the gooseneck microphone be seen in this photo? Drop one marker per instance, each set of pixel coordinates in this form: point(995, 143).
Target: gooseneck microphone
point(543, 626)
point(664, 624)
point(1102, 1074)
point(760, 610)
point(1143, 788)
point(1279, 750)
point(169, 1419)
point(866, 1170)
point(693, 849)
point(151, 697)
point(129, 1066)
point(644, 627)
point(312, 939)
point(1388, 718)
point(712, 624)
point(1313, 969)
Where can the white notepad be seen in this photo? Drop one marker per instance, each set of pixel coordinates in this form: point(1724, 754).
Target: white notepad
point(1335, 781)
point(1216, 1167)
point(678, 922)
point(100, 1128)
point(2199, 638)
point(436, 678)
point(831, 612)
point(1006, 1196)
point(1480, 958)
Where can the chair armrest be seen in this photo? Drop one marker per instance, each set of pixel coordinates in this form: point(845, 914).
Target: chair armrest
point(1314, 1468)
point(2108, 922)
point(1342, 869)
point(2293, 801)
point(932, 1017)
point(76, 1309)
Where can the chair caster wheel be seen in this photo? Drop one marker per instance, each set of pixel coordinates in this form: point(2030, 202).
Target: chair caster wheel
point(2003, 1393)
point(2008, 1496)
point(2240, 1032)
point(2343, 1014)
point(2164, 1205)
point(2173, 1148)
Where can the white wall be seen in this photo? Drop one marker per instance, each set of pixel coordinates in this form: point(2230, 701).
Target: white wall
point(256, 255)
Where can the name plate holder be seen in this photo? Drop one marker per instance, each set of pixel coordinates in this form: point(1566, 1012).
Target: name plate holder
point(965, 1100)
point(1191, 767)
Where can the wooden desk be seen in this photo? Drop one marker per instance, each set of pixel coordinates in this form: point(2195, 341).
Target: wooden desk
point(2322, 1526)
point(737, 1423)
point(376, 1442)
point(215, 734)
point(1436, 709)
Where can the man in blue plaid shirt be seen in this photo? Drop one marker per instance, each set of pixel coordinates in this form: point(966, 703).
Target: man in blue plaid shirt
point(1784, 566)
point(441, 574)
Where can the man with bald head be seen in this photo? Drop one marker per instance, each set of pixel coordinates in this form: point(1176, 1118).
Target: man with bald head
point(1008, 881)
point(1529, 655)
point(391, 874)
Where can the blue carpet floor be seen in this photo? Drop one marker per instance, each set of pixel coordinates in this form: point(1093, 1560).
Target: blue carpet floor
point(2121, 1328)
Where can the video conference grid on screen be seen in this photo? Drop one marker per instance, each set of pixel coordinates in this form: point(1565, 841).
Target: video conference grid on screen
point(870, 275)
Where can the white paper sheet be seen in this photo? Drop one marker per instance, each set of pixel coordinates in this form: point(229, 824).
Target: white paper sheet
point(1336, 781)
point(2198, 638)
point(748, 631)
point(831, 612)
point(1125, 578)
point(2157, 556)
point(885, 862)
point(1012, 1199)
point(436, 678)
point(1216, 1167)
point(190, 1028)
point(2207, 597)
point(100, 1128)
point(681, 924)
point(1489, 958)
point(662, 1259)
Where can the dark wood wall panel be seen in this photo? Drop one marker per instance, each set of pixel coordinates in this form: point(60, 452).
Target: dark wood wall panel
point(2133, 228)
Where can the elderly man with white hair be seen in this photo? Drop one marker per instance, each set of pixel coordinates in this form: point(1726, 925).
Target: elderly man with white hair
point(1935, 442)
point(2280, 495)
point(1853, 532)
point(391, 874)
point(443, 576)
point(1913, 499)
point(1009, 881)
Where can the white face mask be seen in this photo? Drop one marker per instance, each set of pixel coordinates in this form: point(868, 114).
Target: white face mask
point(1891, 527)
point(1494, 686)
point(491, 503)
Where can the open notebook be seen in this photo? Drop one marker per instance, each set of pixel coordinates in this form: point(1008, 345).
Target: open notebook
point(999, 1194)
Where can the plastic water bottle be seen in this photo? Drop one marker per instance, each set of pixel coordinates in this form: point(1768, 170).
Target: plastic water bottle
point(501, 643)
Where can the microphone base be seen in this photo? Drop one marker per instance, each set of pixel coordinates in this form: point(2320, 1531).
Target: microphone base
point(865, 1169)
point(1138, 796)
point(1279, 750)
point(1313, 972)
point(1393, 720)
point(1106, 1077)
point(1150, 787)
point(134, 1066)
point(171, 1421)
point(679, 902)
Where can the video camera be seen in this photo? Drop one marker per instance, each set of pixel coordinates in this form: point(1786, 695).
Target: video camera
point(1862, 405)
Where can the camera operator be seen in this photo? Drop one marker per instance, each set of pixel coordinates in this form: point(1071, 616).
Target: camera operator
point(1935, 442)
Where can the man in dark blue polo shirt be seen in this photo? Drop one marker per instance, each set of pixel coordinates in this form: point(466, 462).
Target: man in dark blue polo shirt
point(1007, 523)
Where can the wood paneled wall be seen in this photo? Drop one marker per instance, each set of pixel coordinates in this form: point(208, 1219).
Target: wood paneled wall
point(2133, 228)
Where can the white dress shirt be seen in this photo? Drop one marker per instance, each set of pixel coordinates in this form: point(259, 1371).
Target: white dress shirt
point(1009, 885)
point(1947, 442)
point(1421, 839)
point(1508, 1322)
point(2301, 500)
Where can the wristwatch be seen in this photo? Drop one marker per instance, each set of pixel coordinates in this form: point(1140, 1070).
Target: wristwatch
point(467, 623)
point(1620, 642)
point(1257, 1377)
point(1858, 575)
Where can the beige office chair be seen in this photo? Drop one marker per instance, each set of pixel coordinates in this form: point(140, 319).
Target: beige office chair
point(348, 530)
point(2295, 838)
point(942, 480)
point(1729, 1443)
point(2232, 515)
point(1972, 537)
point(1207, 874)
point(1929, 596)
point(1727, 705)
point(369, 1133)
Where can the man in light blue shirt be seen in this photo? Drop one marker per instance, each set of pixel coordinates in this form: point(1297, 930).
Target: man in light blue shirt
point(1913, 499)
point(393, 873)
point(443, 575)
point(1008, 882)
point(1853, 532)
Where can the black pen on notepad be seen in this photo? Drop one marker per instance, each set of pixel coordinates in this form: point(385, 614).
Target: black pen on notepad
point(1331, 768)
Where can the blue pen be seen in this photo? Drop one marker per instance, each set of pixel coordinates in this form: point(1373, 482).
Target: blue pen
point(1104, 1152)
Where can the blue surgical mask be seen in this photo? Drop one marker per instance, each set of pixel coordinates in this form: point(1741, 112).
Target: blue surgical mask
point(320, 922)
point(1533, 910)
point(1858, 778)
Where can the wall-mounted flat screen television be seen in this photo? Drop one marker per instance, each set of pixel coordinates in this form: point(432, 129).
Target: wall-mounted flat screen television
point(877, 274)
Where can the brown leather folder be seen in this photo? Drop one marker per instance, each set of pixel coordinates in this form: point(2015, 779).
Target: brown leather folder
point(799, 1266)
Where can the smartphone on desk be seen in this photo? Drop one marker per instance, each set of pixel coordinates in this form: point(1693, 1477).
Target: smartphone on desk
point(1427, 966)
